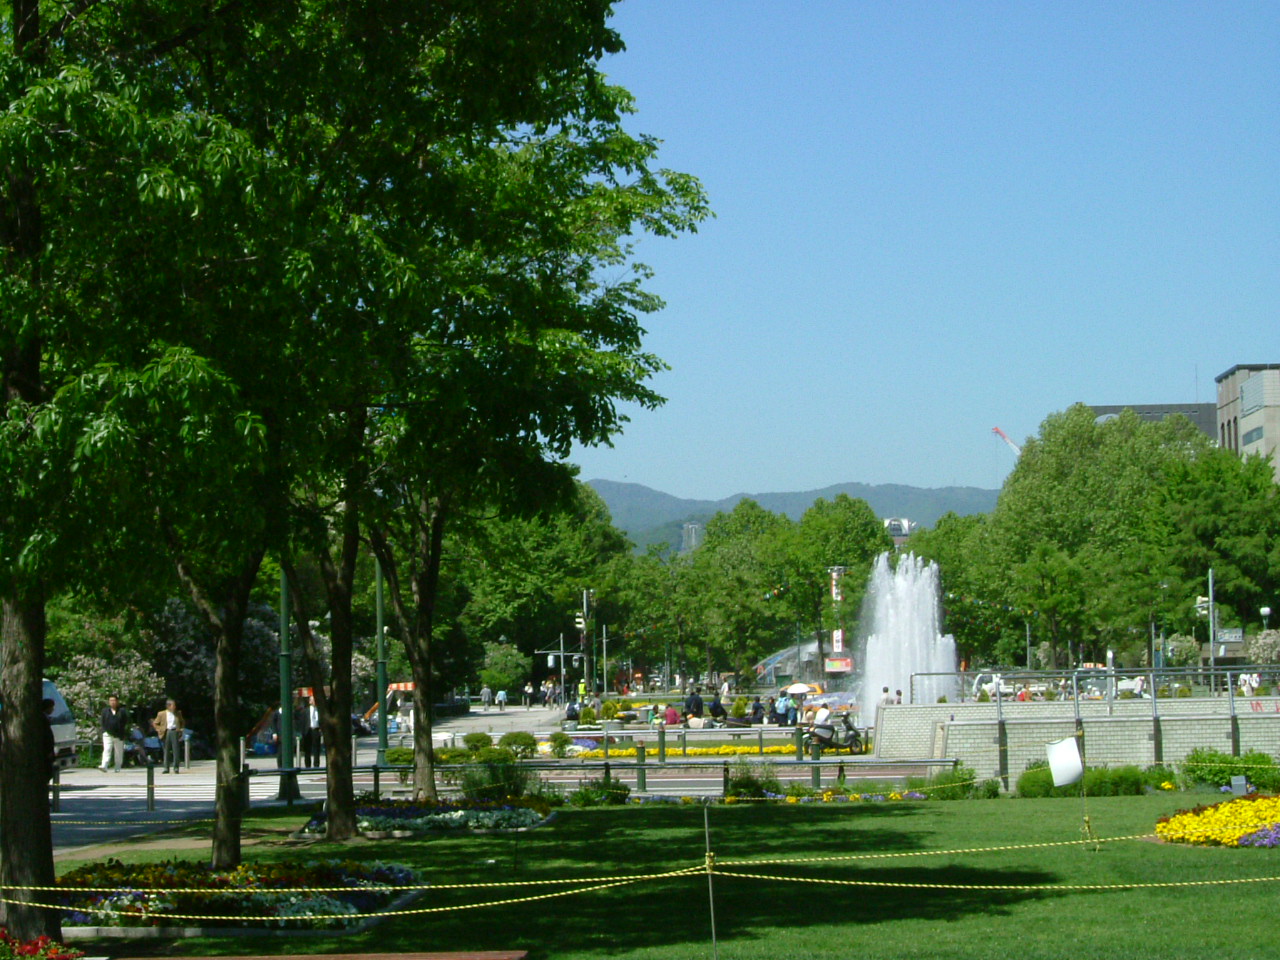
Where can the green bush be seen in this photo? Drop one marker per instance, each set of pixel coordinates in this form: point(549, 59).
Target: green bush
point(586, 716)
point(1216, 768)
point(398, 756)
point(1157, 774)
point(1050, 693)
point(600, 792)
point(1037, 781)
point(493, 781)
point(1183, 691)
point(957, 784)
point(609, 709)
point(477, 741)
point(753, 780)
point(560, 744)
point(1126, 695)
point(984, 697)
point(449, 755)
point(520, 742)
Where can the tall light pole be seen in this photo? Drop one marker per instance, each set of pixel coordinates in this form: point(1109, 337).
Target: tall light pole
point(1266, 615)
point(288, 781)
point(382, 670)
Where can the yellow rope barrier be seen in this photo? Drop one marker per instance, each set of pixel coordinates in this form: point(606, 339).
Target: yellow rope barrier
point(997, 886)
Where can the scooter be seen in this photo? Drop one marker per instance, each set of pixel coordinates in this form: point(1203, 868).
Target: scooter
point(842, 737)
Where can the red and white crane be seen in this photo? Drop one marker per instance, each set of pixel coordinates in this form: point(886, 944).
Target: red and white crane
point(1017, 450)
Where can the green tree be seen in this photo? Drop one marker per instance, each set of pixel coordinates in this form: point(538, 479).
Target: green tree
point(504, 667)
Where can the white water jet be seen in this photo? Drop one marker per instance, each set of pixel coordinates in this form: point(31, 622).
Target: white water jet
point(900, 636)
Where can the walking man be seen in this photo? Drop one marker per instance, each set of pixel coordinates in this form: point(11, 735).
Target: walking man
point(115, 731)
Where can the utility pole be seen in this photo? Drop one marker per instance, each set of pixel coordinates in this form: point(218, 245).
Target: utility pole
point(288, 781)
point(381, 680)
point(1213, 635)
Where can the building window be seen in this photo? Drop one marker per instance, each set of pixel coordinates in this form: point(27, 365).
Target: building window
point(1251, 436)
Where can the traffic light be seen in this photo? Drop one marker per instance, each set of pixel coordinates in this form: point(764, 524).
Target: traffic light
point(1202, 606)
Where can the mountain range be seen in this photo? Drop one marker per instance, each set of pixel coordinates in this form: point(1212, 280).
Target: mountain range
point(649, 516)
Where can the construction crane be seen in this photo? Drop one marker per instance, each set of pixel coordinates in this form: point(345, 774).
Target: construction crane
point(1017, 450)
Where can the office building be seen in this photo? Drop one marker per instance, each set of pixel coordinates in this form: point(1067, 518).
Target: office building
point(1249, 410)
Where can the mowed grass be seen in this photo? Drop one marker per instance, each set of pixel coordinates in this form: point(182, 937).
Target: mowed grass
point(942, 895)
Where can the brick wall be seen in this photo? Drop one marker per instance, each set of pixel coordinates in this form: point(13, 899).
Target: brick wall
point(1115, 733)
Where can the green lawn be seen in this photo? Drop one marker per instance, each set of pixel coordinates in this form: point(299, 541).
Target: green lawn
point(771, 919)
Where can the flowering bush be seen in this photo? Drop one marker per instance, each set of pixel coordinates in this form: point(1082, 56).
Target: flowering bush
point(42, 948)
point(111, 893)
point(1254, 818)
point(457, 815)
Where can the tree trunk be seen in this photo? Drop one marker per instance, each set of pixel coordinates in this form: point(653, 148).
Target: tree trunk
point(26, 840)
point(227, 623)
point(226, 709)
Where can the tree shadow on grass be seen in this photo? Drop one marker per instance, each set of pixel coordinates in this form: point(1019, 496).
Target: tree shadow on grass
point(604, 845)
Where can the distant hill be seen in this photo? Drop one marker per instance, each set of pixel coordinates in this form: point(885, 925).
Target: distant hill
point(650, 516)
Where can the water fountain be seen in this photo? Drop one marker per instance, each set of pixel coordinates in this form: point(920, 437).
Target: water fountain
point(900, 636)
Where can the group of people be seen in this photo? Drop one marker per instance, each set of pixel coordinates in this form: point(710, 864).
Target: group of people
point(120, 735)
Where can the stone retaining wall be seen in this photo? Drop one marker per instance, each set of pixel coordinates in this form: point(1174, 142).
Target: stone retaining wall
point(1115, 732)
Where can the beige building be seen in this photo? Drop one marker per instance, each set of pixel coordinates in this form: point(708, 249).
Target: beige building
point(1249, 410)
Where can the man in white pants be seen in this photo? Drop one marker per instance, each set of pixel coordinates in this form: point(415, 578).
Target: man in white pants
point(115, 732)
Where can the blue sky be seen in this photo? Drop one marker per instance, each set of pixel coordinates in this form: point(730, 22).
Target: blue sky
point(934, 218)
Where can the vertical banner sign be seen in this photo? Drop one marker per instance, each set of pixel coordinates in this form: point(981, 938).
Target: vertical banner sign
point(837, 640)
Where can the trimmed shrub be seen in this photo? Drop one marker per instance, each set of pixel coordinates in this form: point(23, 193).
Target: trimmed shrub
point(609, 709)
point(560, 744)
point(1203, 765)
point(450, 755)
point(477, 741)
point(520, 742)
point(401, 755)
point(586, 716)
point(1037, 781)
point(600, 792)
point(495, 776)
point(752, 780)
point(739, 708)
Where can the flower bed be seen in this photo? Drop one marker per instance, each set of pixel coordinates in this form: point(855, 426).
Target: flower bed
point(724, 750)
point(411, 816)
point(826, 796)
point(42, 948)
point(317, 893)
point(1243, 822)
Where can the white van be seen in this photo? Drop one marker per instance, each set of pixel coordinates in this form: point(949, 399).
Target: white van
point(64, 727)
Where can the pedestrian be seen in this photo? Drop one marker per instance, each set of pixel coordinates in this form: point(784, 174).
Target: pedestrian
point(307, 720)
point(693, 704)
point(501, 701)
point(528, 695)
point(486, 697)
point(115, 732)
point(897, 697)
point(793, 709)
point(169, 726)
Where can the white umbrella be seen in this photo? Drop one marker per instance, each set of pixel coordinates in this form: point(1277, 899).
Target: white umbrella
point(799, 688)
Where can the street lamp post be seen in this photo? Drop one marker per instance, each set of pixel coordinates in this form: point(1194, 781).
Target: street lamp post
point(1266, 615)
